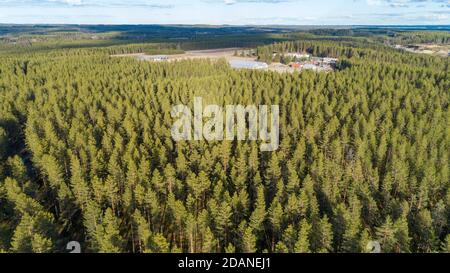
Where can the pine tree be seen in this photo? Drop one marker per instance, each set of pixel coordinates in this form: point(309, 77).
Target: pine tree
point(209, 242)
point(402, 235)
point(160, 244)
point(386, 236)
point(259, 214)
point(321, 235)
point(108, 236)
point(143, 232)
point(78, 183)
point(365, 241)
point(248, 241)
point(303, 241)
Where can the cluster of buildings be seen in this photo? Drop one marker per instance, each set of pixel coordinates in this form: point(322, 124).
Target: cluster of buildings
point(315, 63)
point(292, 62)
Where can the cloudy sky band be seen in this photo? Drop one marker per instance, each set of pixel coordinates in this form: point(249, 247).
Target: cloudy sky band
point(232, 12)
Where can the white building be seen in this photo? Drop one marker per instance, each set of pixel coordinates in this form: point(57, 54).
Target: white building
point(310, 67)
point(297, 55)
point(154, 58)
point(241, 64)
point(330, 60)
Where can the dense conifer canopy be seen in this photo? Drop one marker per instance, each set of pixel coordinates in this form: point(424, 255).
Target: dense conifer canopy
point(86, 153)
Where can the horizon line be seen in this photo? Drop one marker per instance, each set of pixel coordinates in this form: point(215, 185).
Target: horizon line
point(230, 25)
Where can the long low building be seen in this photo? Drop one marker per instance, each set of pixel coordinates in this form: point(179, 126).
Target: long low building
point(297, 55)
point(153, 58)
point(243, 64)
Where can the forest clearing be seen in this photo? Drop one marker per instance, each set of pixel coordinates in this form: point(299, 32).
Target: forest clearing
point(230, 55)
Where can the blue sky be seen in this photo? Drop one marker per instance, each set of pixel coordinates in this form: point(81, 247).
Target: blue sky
point(233, 12)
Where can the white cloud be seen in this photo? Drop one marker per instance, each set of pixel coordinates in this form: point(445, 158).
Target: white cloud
point(404, 3)
point(291, 12)
point(374, 2)
point(69, 2)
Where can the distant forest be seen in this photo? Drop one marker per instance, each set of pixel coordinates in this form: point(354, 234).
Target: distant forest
point(86, 152)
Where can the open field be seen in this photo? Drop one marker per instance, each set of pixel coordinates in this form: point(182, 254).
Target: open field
point(227, 53)
point(442, 50)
